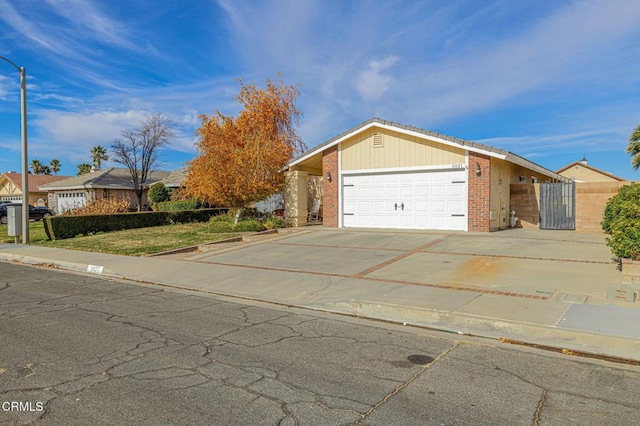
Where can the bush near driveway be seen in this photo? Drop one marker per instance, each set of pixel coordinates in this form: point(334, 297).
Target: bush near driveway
point(612, 210)
point(60, 227)
point(224, 223)
point(621, 219)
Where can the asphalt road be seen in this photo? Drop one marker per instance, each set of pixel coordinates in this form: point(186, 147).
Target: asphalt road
point(78, 350)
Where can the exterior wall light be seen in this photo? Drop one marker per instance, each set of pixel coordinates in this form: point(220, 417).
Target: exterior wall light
point(329, 176)
point(478, 169)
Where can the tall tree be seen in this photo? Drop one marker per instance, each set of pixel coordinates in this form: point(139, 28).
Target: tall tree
point(98, 155)
point(36, 166)
point(240, 158)
point(55, 166)
point(45, 170)
point(84, 168)
point(138, 149)
point(633, 148)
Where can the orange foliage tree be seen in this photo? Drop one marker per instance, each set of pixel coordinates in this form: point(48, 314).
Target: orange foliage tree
point(240, 159)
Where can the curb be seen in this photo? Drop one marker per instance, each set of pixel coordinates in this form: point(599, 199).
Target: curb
point(61, 264)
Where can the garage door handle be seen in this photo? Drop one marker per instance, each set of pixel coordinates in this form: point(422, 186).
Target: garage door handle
point(402, 206)
point(396, 206)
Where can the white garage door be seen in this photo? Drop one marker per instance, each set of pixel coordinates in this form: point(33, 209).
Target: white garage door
point(416, 200)
point(70, 200)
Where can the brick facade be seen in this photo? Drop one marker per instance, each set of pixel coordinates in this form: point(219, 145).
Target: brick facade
point(479, 203)
point(330, 189)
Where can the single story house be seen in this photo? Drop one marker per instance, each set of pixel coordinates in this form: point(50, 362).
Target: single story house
point(11, 187)
point(174, 179)
point(75, 191)
point(582, 171)
point(382, 174)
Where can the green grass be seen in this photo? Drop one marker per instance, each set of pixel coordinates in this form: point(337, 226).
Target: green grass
point(131, 242)
point(36, 233)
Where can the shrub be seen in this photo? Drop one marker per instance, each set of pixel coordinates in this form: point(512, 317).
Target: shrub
point(222, 218)
point(249, 226)
point(108, 205)
point(247, 213)
point(172, 206)
point(159, 193)
point(627, 193)
point(625, 231)
point(273, 223)
point(60, 227)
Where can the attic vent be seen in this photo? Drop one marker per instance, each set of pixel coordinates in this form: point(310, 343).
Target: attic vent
point(378, 142)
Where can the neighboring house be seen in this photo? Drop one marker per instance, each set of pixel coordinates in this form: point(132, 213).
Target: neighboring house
point(381, 174)
point(581, 171)
point(74, 192)
point(11, 187)
point(175, 179)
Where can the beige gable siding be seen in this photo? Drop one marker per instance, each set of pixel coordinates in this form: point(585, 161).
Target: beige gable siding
point(9, 189)
point(585, 174)
point(395, 150)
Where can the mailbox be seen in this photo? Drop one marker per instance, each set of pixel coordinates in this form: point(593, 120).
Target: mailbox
point(14, 221)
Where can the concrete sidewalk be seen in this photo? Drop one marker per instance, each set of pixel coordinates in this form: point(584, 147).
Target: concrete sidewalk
point(405, 278)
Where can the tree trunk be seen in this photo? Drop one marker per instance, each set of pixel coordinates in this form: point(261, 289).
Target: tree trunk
point(237, 218)
point(139, 195)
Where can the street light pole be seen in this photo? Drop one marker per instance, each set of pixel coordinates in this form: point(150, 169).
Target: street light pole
point(25, 161)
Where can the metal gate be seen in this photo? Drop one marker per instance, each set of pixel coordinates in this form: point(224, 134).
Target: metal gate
point(558, 205)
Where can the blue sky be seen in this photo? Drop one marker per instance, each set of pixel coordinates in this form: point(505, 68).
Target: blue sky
point(549, 80)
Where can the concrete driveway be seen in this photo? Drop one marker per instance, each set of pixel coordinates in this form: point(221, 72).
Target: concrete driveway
point(537, 264)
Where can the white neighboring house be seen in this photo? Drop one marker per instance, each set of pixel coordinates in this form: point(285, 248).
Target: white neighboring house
point(76, 191)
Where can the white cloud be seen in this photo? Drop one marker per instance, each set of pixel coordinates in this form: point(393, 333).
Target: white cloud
point(372, 84)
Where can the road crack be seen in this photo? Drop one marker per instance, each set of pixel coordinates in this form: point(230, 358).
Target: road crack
point(536, 415)
point(402, 386)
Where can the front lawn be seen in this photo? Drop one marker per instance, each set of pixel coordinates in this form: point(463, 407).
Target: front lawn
point(36, 233)
point(131, 242)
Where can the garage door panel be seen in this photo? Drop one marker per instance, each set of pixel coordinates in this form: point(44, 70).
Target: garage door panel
point(456, 191)
point(439, 190)
point(456, 206)
point(430, 199)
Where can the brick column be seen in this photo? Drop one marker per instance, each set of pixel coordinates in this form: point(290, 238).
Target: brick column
point(479, 192)
point(330, 189)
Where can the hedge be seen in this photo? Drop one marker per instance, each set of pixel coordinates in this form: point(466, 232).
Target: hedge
point(173, 206)
point(61, 227)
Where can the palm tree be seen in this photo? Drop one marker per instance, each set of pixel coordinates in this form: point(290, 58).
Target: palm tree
point(36, 167)
point(633, 148)
point(55, 166)
point(84, 168)
point(98, 154)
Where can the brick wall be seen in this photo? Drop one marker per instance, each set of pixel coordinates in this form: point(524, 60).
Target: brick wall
point(479, 192)
point(591, 197)
point(525, 200)
point(330, 189)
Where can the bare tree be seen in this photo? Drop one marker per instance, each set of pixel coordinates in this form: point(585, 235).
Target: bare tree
point(138, 149)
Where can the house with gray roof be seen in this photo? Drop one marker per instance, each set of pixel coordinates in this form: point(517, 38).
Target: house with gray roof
point(76, 191)
point(381, 174)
